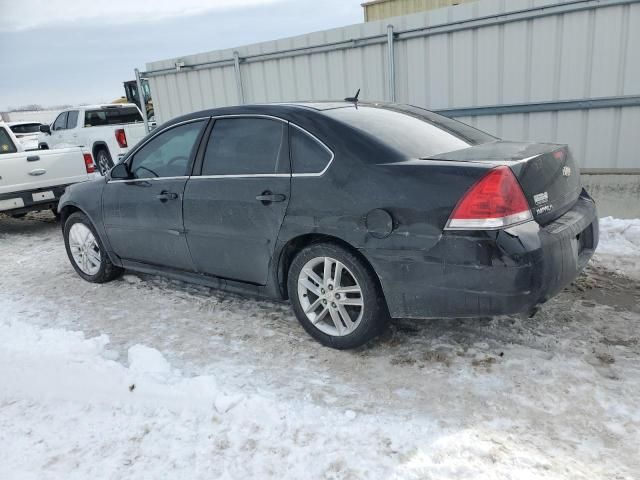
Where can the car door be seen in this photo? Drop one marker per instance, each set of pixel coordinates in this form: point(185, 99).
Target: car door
point(143, 215)
point(234, 209)
point(58, 130)
point(70, 135)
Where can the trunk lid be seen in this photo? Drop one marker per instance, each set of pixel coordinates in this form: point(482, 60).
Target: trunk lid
point(546, 172)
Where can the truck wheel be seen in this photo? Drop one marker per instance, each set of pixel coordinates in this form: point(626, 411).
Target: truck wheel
point(86, 251)
point(103, 159)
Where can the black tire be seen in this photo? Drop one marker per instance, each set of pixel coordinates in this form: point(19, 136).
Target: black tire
point(375, 315)
point(107, 271)
point(103, 161)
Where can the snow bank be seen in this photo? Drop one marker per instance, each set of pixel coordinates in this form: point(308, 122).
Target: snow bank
point(149, 421)
point(619, 247)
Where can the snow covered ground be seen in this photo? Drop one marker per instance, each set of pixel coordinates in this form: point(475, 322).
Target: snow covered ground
point(150, 378)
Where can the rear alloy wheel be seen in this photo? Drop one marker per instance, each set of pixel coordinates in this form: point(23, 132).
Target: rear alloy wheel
point(85, 250)
point(103, 159)
point(335, 296)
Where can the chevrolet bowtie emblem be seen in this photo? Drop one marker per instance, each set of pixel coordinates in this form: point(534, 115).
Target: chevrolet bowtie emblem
point(566, 171)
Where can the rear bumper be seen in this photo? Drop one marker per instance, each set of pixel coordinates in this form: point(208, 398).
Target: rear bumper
point(30, 200)
point(468, 274)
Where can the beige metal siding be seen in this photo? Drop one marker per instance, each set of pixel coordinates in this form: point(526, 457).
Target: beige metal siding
point(380, 9)
point(449, 58)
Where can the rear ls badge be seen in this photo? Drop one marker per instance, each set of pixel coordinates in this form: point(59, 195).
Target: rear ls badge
point(566, 171)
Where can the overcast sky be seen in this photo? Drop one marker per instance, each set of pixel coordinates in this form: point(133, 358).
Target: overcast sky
point(80, 51)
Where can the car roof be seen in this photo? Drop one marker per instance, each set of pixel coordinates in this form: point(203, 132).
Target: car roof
point(285, 109)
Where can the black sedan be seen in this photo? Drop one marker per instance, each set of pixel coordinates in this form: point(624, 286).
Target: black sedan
point(354, 212)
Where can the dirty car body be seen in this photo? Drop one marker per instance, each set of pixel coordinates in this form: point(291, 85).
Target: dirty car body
point(387, 181)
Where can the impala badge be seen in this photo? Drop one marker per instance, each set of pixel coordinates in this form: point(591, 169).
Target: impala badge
point(566, 171)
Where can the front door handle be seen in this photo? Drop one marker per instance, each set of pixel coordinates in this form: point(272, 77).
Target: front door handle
point(267, 197)
point(165, 196)
point(33, 158)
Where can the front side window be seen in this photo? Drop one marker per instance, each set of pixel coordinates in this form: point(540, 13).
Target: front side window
point(6, 145)
point(61, 122)
point(246, 146)
point(308, 155)
point(72, 119)
point(167, 154)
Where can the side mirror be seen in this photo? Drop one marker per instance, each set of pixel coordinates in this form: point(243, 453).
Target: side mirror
point(120, 172)
point(45, 129)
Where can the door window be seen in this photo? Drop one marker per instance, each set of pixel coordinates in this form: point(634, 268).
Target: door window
point(61, 122)
point(6, 145)
point(167, 154)
point(246, 146)
point(308, 155)
point(72, 119)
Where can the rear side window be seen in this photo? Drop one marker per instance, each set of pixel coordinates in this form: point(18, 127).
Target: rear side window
point(72, 119)
point(6, 145)
point(111, 116)
point(168, 153)
point(412, 135)
point(25, 128)
point(246, 146)
point(308, 155)
point(61, 122)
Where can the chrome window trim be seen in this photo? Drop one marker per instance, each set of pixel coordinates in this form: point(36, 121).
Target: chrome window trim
point(248, 175)
point(150, 179)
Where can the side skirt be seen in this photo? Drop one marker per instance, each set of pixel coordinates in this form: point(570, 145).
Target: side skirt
point(232, 286)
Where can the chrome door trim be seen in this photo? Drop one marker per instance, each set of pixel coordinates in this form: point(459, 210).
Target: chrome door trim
point(149, 179)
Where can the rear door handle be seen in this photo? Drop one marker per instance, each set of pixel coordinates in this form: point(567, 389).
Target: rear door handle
point(165, 196)
point(33, 158)
point(268, 197)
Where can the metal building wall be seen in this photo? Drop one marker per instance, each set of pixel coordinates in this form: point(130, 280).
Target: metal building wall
point(381, 9)
point(543, 70)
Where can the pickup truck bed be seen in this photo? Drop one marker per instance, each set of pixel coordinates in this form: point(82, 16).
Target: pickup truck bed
point(35, 180)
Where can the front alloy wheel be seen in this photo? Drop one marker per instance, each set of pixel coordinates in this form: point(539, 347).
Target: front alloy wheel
point(336, 296)
point(84, 249)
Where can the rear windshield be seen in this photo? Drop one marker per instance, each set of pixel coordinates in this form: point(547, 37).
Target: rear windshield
point(25, 128)
point(111, 116)
point(412, 131)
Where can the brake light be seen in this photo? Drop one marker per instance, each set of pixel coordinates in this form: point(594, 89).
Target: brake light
point(88, 163)
point(495, 201)
point(121, 137)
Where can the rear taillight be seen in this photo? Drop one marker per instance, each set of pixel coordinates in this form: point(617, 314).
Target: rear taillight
point(121, 137)
point(88, 163)
point(495, 201)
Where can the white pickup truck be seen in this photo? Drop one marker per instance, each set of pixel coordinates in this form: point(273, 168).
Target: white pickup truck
point(107, 131)
point(36, 179)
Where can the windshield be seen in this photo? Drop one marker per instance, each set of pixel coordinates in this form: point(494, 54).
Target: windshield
point(111, 116)
point(25, 128)
point(414, 132)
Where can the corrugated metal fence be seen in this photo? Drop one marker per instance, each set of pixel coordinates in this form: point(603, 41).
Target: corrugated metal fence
point(560, 71)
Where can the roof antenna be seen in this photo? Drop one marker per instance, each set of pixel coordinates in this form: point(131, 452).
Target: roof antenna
point(353, 99)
